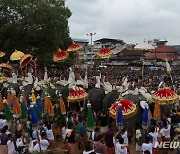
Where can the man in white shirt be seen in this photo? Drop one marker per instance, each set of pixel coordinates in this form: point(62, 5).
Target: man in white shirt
point(10, 145)
point(147, 146)
point(42, 145)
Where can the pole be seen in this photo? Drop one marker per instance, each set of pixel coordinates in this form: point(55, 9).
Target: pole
point(91, 48)
point(91, 35)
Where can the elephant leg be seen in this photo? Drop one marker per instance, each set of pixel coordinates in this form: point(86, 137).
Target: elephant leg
point(151, 107)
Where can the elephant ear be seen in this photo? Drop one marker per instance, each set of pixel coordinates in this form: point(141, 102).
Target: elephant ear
point(144, 104)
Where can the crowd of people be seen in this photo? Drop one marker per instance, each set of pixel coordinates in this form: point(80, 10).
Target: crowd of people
point(22, 137)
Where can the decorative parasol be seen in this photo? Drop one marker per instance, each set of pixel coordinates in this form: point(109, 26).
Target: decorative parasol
point(104, 53)
point(6, 66)
point(25, 60)
point(60, 56)
point(77, 96)
point(62, 105)
point(2, 54)
point(165, 96)
point(17, 55)
point(129, 109)
point(90, 117)
point(74, 47)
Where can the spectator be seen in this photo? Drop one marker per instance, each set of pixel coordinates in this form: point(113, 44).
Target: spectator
point(99, 147)
point(147, 146)
point(108, 138)
point(71, 140)
point(10, 145)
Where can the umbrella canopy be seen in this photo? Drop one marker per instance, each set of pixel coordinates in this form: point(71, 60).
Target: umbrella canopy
point(129, 109)
point(77, 96)
point(75, 47)
point(25, 60)
point(2, 54)
point(165, 96)
point(17, 55)
point(104, 53)
point(60, 56)
point(6, 66)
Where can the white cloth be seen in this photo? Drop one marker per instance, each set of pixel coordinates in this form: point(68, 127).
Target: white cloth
point(43, 145)
point(148, 147)
point(119, 149)
point(63, 132)
point(50, 135)
point(125, 137)
point(154, 136)
point(1, 123)
point(84, 152)
point(166, 131)
point(11, 147)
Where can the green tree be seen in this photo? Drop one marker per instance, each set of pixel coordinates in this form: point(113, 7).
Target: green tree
point(38, 27)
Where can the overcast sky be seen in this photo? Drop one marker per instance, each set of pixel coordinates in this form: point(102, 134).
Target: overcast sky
point(129, 20)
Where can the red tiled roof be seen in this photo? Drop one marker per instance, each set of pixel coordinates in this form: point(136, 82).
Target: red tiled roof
point(164, 49)
point(157, 56)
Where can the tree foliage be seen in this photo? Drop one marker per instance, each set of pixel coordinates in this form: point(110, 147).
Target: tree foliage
point(38, 27)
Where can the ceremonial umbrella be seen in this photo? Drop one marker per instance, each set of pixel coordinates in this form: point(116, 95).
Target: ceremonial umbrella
point(90, 118)
point(1, 103)
point(6, 66)
point(60, 56)
point(74, 47)
point(129, 109)
point(165, 96)
point(17, 55)
point(62, 105)
point(2, 54)
point(104, 53)
point(77, 96)
point(25, 60)
point(119, 116)
point(8, 113)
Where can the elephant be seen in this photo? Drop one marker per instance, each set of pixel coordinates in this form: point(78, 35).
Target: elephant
point(96, 96)
point(111, 97)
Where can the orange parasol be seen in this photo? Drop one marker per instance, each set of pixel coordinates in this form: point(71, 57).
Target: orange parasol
point(25, 60)
point(6, 66)
point(129, 109)
point(77, 96)
point(17, 55)
point(60, 56)
point(104, 53)
point(165, 96)
point(75, 47)
point(2, 54)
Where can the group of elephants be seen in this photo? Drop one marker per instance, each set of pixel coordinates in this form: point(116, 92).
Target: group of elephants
point(99, 100)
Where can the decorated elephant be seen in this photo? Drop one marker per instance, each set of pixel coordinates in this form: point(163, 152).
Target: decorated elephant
point(96, 96)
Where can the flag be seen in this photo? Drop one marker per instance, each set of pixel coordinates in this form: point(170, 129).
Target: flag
point(145, 119)
point(90, 118)
point(8, 98)
point(34, 118)
point(157, 111)
point(38, 113)
point(23, 111)
point(168, 67)
point(1, 103)
point(120, 119)
point(24, 98)
point(33, 97)
point(16, 107)
point(8, 114)
point(39, 105)
point(62, 106)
